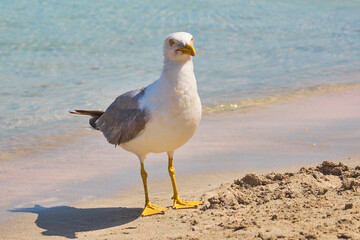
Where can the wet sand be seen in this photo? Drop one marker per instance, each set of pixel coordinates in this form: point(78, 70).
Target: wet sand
point(58, 195)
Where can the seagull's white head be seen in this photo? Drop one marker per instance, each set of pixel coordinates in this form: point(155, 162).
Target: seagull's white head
point(179, 47)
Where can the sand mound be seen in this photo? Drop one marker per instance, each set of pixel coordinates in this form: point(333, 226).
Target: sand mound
point(320, 202)
point(307, 183)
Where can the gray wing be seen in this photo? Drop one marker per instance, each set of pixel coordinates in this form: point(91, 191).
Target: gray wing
point(123, 120)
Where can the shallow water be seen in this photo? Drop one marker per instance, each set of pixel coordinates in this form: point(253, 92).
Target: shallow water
point(57, 56)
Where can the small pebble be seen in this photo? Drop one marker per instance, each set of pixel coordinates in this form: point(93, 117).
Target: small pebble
point(348, 206)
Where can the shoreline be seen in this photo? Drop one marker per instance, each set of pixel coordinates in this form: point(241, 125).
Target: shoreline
point(286, 135)
point(52, 139)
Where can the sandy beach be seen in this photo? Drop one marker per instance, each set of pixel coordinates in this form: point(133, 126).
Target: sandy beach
point(260, 173)
point(319, 202)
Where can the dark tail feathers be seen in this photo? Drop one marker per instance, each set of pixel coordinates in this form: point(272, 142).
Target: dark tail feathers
point(95, 114)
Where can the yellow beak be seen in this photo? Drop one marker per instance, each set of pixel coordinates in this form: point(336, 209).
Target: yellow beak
point(189, 49)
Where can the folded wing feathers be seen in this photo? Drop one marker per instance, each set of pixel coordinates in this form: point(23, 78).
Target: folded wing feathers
point(123, 120)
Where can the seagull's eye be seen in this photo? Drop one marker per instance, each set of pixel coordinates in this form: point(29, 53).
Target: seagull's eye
point(192, 39)
point(171, 42)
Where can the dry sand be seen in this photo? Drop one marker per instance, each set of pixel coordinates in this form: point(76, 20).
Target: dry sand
point(320, 202)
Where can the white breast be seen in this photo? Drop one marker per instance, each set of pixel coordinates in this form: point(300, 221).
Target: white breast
point(175, 109)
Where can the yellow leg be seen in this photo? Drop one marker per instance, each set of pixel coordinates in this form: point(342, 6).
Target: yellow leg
point(150, 209)
point(178, 203)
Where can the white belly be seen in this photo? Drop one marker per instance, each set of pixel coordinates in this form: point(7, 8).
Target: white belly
point(170, 127)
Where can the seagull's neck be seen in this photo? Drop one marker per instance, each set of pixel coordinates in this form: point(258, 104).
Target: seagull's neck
point(173, 72)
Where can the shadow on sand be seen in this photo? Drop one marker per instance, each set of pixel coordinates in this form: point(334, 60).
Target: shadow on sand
point(66, 221)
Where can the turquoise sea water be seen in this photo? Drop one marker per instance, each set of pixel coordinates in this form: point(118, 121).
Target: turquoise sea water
point(59, 55)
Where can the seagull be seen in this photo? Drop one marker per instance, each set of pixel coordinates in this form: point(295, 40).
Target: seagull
point(158, 118)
